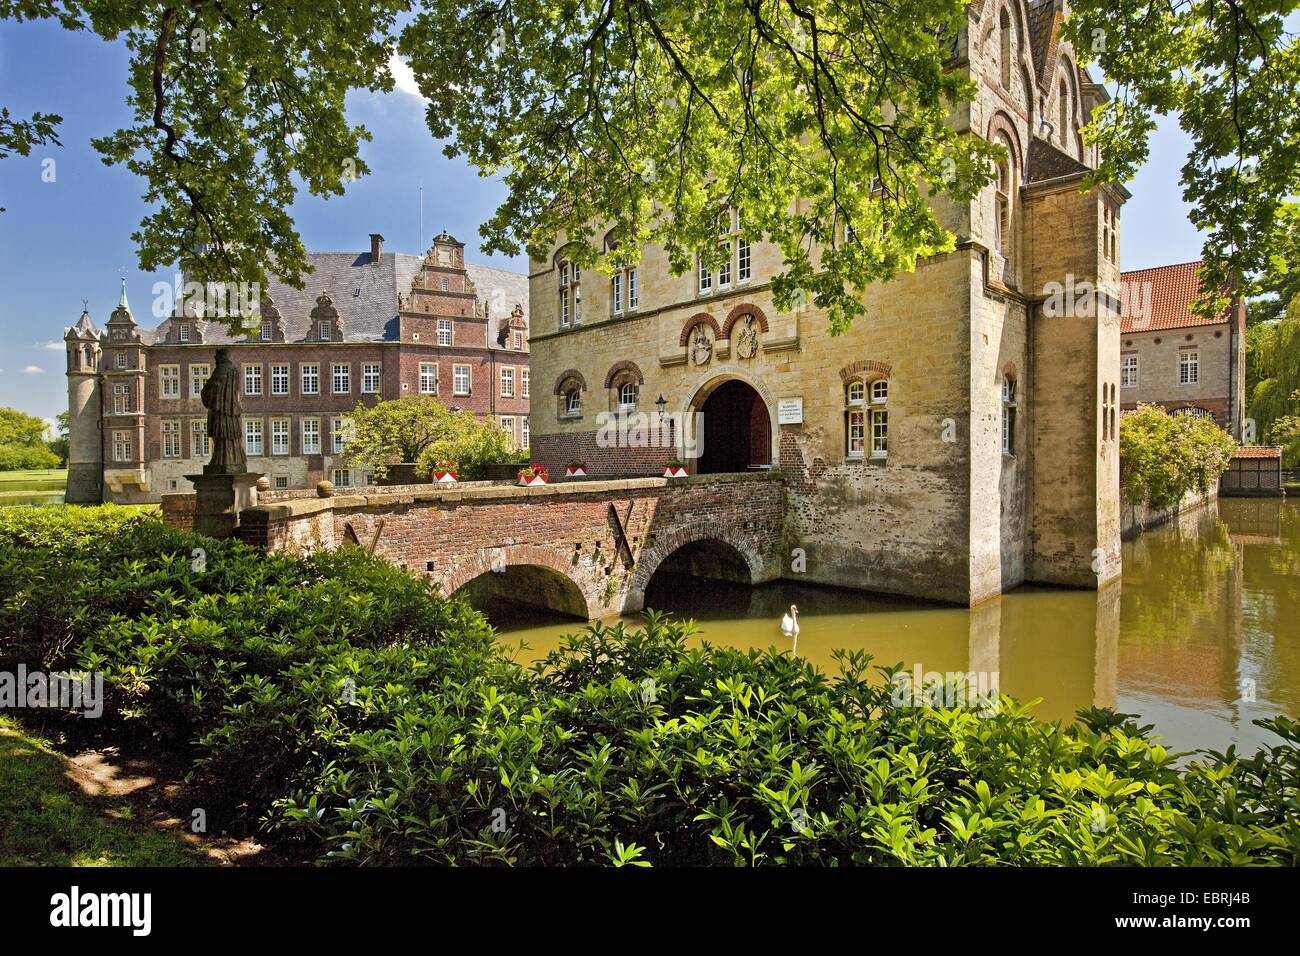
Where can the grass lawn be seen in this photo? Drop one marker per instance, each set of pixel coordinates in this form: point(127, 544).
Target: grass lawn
point(35, 474)
point(46, 819)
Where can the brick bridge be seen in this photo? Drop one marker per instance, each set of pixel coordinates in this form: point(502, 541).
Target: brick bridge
point(584, 548)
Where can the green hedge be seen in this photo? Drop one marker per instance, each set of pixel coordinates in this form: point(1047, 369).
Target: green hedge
point(1164, 457)
point(361, 718)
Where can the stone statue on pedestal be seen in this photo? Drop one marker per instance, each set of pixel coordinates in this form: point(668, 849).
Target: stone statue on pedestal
point(225, 488)
point(221, 399)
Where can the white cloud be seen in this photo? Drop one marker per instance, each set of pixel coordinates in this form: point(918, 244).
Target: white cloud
point(34, 370)
point(403, 76)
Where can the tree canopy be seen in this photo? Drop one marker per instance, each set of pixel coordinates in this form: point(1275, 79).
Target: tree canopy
point(421, 429)
point(653, 117)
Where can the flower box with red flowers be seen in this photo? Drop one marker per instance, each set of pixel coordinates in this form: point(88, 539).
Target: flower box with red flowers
point(445, 471)
point(575, 469)
point(533, 475)
point(675, 469)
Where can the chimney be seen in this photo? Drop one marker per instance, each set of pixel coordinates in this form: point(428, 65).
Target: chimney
point(376, 247)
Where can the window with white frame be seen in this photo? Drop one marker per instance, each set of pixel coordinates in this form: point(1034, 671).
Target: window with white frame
point(169, 381)
point(1128, 371)
point(627, 396)
point(325, 330)
point(310, 378)
point(281, 482)
point(508, 426)
point(279, 436)
point(564, 295)
point(122, 398)
point(340, 434)
point(252, 436)
point(268, 330)
point(120, 359)
point(523, 383)
point(311, 436)
point(253, 379)
point(1009, 406)
point(744, 264)
point(341, 377)
point(199, 446)
point(1189, 367)
point(171, 438)
point(633, 299)
point(446, 284)
point(428, 378)
point(183, 332)
point(371, 378)
point(444, 331)
point(616, 292)
point(706, 277)
point(342, 477)
point(122, 446)
point(507, 382)
point(879, 419)
point(523, 432)
point(280, 379)
point(460, 380)
point(519, 341)
point(573, 401)
point(855, 419)
point(198, 378)
point(570, 293)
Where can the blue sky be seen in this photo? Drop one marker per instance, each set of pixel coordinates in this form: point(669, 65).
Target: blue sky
point(68, 240)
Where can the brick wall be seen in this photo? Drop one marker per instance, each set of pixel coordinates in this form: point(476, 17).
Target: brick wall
point(456, 534)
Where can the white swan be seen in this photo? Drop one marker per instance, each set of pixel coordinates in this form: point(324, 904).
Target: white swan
point(790, 627)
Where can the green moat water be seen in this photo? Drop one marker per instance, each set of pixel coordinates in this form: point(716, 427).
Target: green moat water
point(1205, 618)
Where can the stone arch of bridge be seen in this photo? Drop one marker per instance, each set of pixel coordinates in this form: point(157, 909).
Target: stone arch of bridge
point(653, 556)
point(530, 574)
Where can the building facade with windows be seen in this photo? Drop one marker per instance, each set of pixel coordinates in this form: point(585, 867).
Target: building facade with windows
point(959, 439)
point(1169, 356)
point(367, 327)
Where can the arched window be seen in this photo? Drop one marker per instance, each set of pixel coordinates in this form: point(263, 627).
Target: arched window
point(1004, 48)
point(879, 419)
point(627, 396)
point(1009, 406)
point(1003, 212)
point(855, 419)
point(570, 293)
point(1063, 114)
point(572, 401)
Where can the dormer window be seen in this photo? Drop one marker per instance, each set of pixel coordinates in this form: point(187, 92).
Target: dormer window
point(268, 331)
point(120, 359)
point(325, 331)
point(183, 332)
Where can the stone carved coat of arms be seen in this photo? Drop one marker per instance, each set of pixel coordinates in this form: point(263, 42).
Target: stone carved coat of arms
point(701, 345)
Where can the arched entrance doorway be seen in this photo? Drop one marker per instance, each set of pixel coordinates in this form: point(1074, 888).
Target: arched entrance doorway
point(737, 430)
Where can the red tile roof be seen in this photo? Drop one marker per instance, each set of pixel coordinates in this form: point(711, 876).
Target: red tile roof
point(1166, 294)
point(1258, 451)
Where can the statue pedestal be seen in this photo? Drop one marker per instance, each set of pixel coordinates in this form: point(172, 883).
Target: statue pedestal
point(218, 501)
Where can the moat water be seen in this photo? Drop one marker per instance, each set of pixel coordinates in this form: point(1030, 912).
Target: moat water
point(1200, 637)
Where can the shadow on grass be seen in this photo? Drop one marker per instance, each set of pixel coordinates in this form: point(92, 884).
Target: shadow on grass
point(47, 820)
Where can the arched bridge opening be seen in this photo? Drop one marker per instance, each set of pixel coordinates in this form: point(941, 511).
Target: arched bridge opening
point(524, 594)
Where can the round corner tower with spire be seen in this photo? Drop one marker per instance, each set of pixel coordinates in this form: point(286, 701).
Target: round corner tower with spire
point(85, 434)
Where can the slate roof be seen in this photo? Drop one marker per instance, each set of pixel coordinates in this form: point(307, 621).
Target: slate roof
point(365, 294)
point(1048, 162)
point(1173, 290)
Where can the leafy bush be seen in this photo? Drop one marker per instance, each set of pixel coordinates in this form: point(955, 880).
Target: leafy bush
point(421, 429)
point(362, 718)
point(1164, 457)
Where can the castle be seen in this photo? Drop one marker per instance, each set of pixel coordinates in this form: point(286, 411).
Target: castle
point(959, 440)
point(368, 326)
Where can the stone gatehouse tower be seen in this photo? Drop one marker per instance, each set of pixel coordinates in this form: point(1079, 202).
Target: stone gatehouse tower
point(960, 439)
